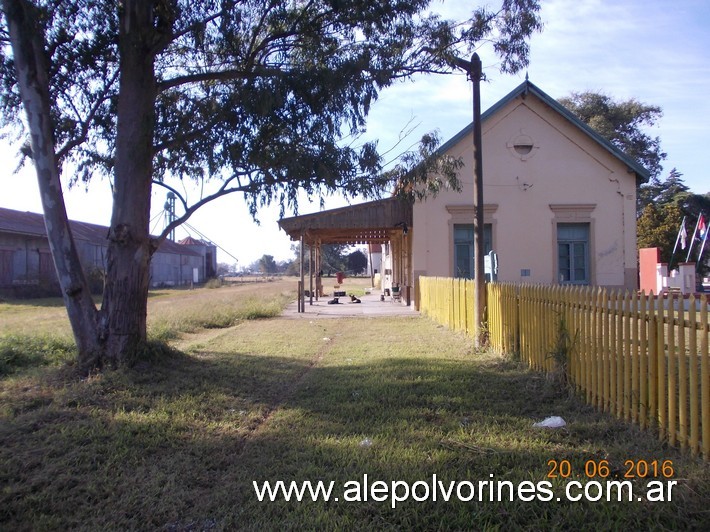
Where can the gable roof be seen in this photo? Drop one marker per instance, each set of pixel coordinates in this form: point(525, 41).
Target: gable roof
point(32, 224)
point(525, 88)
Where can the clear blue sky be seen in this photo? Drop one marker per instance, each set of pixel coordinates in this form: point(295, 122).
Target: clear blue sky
point(652, 50)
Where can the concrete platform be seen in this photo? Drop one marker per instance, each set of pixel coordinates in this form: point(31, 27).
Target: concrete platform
point(370, 306)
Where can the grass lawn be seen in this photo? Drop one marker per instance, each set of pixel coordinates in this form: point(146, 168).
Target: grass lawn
point(176, 444)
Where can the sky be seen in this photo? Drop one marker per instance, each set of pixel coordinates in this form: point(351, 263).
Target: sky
point(652, 50)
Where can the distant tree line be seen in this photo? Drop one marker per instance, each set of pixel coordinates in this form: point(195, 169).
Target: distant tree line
point(334, 258)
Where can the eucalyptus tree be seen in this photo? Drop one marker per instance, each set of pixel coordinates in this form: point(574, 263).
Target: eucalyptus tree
point(260, 97)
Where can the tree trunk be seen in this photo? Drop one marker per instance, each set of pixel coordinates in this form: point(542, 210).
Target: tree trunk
point(31, 66)
point(113, 335)
point(130, 248)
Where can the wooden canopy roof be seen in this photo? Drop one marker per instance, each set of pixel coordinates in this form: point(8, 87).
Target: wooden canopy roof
point(372, 222)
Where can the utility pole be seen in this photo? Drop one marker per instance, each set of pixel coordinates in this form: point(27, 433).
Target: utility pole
point(474, 68)
point(301, 293)
point(479, 301)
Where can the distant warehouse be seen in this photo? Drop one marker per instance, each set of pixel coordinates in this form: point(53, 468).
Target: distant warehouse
point(26, 265)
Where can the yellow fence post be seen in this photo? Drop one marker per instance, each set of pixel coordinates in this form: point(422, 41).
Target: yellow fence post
point(661, 402)
point(671, 396)
point(683, 376)
point(620, 355)
point(645, 353)
point(694, 370)
point(638, 356)
point(603, 332)
point(626, 387)
point(635, 349)
point(589, 343)
point(456, 291)
point(611, 354)
point(653, 361)
point(584, 336)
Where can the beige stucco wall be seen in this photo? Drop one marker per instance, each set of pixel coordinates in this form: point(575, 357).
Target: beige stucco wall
point(567, 177)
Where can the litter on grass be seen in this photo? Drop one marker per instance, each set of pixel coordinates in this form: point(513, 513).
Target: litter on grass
point(553, 422)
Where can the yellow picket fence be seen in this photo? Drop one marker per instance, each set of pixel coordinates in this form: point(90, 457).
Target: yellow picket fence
point(448, 301)
point(641, 358)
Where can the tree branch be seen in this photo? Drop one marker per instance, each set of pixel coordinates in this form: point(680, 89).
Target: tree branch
point(182, 139)
point(171, 189)
point(196, 25)
point(189, 211)
point(258, 27)
point(224, 75)
point(86, 124)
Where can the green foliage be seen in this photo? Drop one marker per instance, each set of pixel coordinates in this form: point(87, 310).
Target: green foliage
point(665, 204)
point(622, 123)
point(425, 172)
point(256, 308)
point(153, 352)
point(658, 227)
point(19, 352)
point(662, 191)
point(215, 314)
point(561, 353)
point(292, 267)
point(267, 264)
point(333, 258)
point(357, 262)
point(276, 85)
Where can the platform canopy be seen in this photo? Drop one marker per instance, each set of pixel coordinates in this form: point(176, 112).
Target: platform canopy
point(373, 222)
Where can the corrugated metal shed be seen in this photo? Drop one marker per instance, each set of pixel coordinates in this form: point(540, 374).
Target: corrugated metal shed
point(32, 224)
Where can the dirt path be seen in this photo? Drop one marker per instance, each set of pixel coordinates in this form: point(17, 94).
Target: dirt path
point(198, 344)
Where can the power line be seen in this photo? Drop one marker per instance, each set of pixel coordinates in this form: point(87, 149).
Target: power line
point(205, 237)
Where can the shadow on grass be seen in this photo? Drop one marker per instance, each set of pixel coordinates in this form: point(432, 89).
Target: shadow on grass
point(176, 446)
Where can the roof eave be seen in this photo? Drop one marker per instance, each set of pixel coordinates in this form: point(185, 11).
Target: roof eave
point(642, 174)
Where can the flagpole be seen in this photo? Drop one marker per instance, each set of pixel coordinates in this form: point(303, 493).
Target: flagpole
point(692, 240)
point(677, 240)
point(700, 255)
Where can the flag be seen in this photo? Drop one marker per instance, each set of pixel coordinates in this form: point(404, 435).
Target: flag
point(683, 235)
point(701, 220)
point(702, 228)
